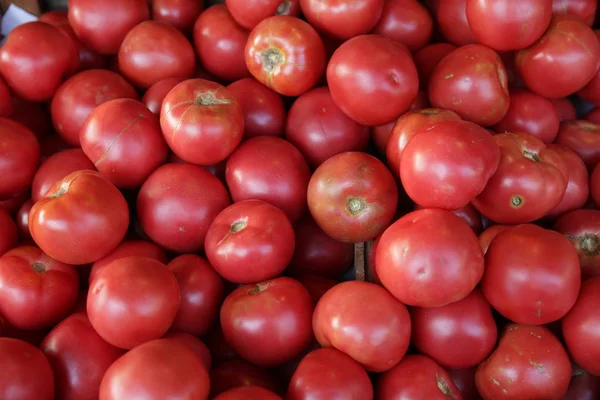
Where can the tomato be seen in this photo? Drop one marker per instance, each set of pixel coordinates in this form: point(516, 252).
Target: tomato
point(583, 9)
point(79, 357)
point(529, 363)
point(21, 222)
point(177, 204)
point(471, 216)
point(464, 379)
point(201, 121)
point(593, 115)
point(427, 59)
point(6, 103)
point(531, 114)
point(103, 26)
point(416, 377)
point(154, 96)
point(19, 158)
point(529, 183)
point(272, 170)
point(8, 232)
point(26, 372)
point(451, 17)
point(77, 97)
point(547, 66)
point(87, 206)
point(239, 373)
point(380, 136)
point(406, 21)
point(471, 81)
point(159, 369)
point(531, 287)
point(582, 228)
point(220, 43)
point(565, 109)
point(344, 319)
point(583, 386)
point(181, 14)
point(202, 291)
point(286, 54)
point(415, 274)
point(486, 237)
point(195, 344)
point(263, 109)
point(329, 373)
point(56, 167)
point(591, 91)
point(583, 137)
point(353, 197)
point(578, 190)
point(321, 130)
point(249, 13)
point(387, 78)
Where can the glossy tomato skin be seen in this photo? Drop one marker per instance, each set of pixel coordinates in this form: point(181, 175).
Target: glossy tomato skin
point(8, 232)
point(19, 159)
point(202, 291)
point(286, 54)
point(201, 121)
point(220, 42)
point(103, 26)
point(448, 275)
point(514, 370)
point(156, 370)
point(582, 228)
point(26, 372)
point(372, 90)
point(451, 17)
point(583, 137)
point(578, 189)
point(263, 109)
point(248, 393)
point(155, 95)
point(180, 14)
point(353, 197)
point(582, 9)
point(529, 183)
point(22, 223)
point(406, 21)
point(516, 279)
point(471, 81)
point(428, 57)
point(346, 310)
point(416, 377)
point(177, 204)
point(546, 66)
point(79, 357)
point(272, 170)
point(284, 308)
point(250, 13)
point(239, 373)
point(321, 130)
point(78, 96)
point(193, 343)
point(68, 205)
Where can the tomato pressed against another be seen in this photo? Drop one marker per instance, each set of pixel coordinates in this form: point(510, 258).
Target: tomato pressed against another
point(583, 137)
point(582, 228)
point(565, 109)
point(427, 59)
point(451, 17)
point(582, 9)
point(197, 346)
point(181, 14)
point(578, 189)
point(9, 233)
point(155, 95)
point(249, 13)
point(406, 21)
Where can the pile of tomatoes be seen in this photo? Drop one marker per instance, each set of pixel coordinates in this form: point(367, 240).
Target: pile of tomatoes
point(182, 187)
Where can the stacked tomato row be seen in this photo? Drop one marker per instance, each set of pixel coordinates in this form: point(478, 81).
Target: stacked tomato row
point(182, 189)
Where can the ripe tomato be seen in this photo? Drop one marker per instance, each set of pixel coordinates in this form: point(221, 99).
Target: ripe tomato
point(180, 14)
point(286, 54)
point(239, 373)
point(102, 26)
point(582, 9)
point(529, 363)
point(79, 357)
point(529, 183)
point(193, 343)
point(427, 59)
point(344, 319)
point(451, 17)
point(8, 232)
point(591, 91)
point(471, 216)
point(353, 197)
point(220, 43)
point(154, 96)
point(321, 130)
point(578, 190)
point(486, 237)
point(248, 13)
point(582, 228)
point(22, 223)
point(419, 277)
point(464, 379)
point(157, 370)
point(406, 21)
point(565, 109)
point(583, 137)
point(201, 121)
point(201, 290)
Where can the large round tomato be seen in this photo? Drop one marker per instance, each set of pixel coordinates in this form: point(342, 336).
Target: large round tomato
point(181, 14)
point(451, 17)
point(429, 258)
point(248, 13)
point(8, 232)
point(406, 21)
point(583, 137)
point(155, 95)
point(248, 393)
point(578, 188)
point(582, 9)
point(582, 228)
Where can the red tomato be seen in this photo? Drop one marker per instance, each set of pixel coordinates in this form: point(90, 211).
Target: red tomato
point(531, 114)
point(464, 379)
point(582, 228)
point(591, 91)
point(201, 290)
point(451, 17)
point(22, 223)
point(6, 103)
point(250, 241)
point(583, 137)
point(26, 372)
point(329, 373)
point(220, 43)
point(22, 57)
point(565, 109)
point(321, 130)
point(406, 21)
point(387, 78)
point(547, 66)
point(181, 14)
point(417, 377)
point(239, 373)
point(202, 121)
point(272, 170)
point(193, 343)
point(56, 167)
point(578, 190)
point(8, 232)
point(583, 386)
point(77, 97)
point(593, 115)
point(177, 204)
point(286, 54)
point(471, 81)
point(154, 96)
point(102, 26)
point(344, 319)
point(529, 363)
point(486, 237)
point(353, 197)
point(268, 323)
point(263, 109)
point(583, 9)
point(157, 370)
point(531, 287)
point(427, 59)
point(380, 135)
point(471, 216)
point(316, 285)
point(87, 206)
point(529, 183)
point(248, 13)
point(79, 357)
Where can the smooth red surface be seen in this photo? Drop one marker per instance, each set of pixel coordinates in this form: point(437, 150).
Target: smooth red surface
point(19, 158)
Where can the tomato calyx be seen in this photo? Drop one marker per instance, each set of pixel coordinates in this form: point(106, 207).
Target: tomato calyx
point(238, 226)
point(517, 201)
point(38, 267)
point(355, 205)
point(430, 111)
point(533, 156)
point(271, 58)
point(588, 243)
point(259, 288)
point(444, 387)
point(209, 99)
point(283, 8)
point(62, 190)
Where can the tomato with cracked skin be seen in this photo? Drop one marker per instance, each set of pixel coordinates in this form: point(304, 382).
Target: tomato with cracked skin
point(578, 189)
point(248, 393)
point(193, 343)
point(249, 13)
point(181, 14)
point(238, 373)
point(582, 9)
point(427, 59)
point(19, 158)
point(9, 233)
point(582, 228)
point(583, 137)
point(155, 95)
point(451, 18)
point(406, 21)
